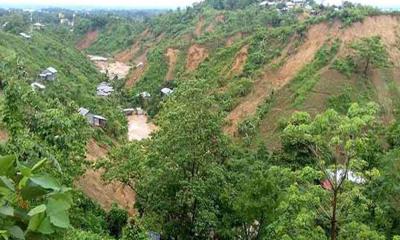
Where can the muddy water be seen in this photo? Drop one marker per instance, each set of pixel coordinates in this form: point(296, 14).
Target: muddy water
point(139, 127)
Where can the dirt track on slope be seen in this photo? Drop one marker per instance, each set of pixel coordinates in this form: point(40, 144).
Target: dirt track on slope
point(199, 27)
point(172, 56)
point(88, 40)
point(240, 61)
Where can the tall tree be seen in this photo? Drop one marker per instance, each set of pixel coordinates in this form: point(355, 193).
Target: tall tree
point(372, 52)
point(339, 144)
point(185, 167)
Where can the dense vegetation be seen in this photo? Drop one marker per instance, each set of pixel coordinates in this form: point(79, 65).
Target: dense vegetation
point(328, 175)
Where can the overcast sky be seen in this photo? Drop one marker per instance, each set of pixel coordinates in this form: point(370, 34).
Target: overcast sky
point(156, 3)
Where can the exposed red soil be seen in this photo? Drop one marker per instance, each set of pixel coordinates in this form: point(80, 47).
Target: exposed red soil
point(199, 26)
point(107, 194)
point(196, 56)
point(104, 193)
point(273, 80)
point(3, 136)
point(88, 40)
point(137, 72)
point(240, 61)
point(385, 26)
point(94, 151)
point(172, 57)
point(232, 39)
point(217, 20)
point(127, 55)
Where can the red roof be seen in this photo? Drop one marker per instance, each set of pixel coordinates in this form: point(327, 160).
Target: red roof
point(326, 184)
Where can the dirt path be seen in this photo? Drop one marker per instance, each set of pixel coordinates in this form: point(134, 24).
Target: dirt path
point(273, 80)
point(104, 193)
point(199, 26)
point(88, 40)
point(240, 61)
point(139, 128)
point(196, 55)
point(172, 56)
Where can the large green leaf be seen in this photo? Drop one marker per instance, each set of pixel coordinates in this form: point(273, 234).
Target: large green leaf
point(61, 219)
point(37, 210)
point(57, 211)
point(46, 182)
point(6, 165)
point(16, 232)
point(6, 182)
point(45, 227)
point(35, 222)
point(32, 191)
point(7, 211)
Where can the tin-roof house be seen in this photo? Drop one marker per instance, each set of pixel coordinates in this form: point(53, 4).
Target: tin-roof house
point(94, 120)
point(49, 74)
point(38, 26)
point(166, 91)
point(26, 36)
point(37, 86)
point(104, 89)
point(339, 175)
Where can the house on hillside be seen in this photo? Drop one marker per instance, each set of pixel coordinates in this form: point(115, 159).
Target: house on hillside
point(94, 120)
point(267, 4)
point(131, 111)
point(49, 74)
point(38, 26)
point(339, 176)
point(140, 65)
point(26, 36)
point(166, 91)
point(37, 86)
point(97, 58)
point(104, 89)
point(145, 95)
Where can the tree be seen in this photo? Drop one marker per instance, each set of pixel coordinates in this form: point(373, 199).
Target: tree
point(179, 192)
point(31, 204)
point(339, 144)
point(372, 52)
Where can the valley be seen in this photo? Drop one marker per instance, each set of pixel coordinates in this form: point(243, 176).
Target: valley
point(223, 120)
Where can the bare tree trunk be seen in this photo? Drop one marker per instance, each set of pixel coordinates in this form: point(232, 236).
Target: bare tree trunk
point(366, 67)
point(333, 220)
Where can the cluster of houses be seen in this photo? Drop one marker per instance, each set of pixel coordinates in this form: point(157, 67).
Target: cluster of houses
point(286, 5)
point(104, 89)
point(49, 74)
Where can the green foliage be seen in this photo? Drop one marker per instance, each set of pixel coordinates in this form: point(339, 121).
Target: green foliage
point(340, 103)
point(116, 219)
point(371, 52)
point(31, 203)
point(306, 79)
point(82, 235)
point(345, 66)
point(179, 189)
point(265, 46)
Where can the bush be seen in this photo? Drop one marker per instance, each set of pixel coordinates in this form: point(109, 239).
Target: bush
point(116, 219)
point(345, 66)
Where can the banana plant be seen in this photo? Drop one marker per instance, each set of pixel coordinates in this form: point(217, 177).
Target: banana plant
point(31, 203)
